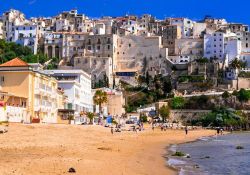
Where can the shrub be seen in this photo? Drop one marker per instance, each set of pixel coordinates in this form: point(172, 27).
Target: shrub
point(178, 102)
point(143, 118)
point(178, 154)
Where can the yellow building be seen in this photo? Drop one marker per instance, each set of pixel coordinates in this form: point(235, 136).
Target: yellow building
point(18, 78)
point(12, 108)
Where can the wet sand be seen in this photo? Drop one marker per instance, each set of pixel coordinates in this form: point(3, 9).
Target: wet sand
point(92, 150)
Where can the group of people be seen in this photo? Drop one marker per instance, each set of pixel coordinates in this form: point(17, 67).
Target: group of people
point(219, 131)
point(164, 127)
point(137, 127)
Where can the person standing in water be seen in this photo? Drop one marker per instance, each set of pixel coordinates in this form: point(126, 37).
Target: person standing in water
point(231, 129)
point(218, 131)
point(186, 130)
point(221, 131)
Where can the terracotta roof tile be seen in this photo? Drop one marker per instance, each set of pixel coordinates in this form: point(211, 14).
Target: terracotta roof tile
point(16, 62)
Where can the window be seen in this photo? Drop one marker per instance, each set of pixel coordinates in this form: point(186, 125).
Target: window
point(89, 47)
point(108, 47)
point(98, 47)
point(108, 41)
point(129, 45)
point(30, 28)
point(246, 44)
point(99, 41)
point(2, 80)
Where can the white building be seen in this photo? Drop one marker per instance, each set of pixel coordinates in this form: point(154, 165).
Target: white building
point(63, 25)
point(245, 57)
point(1, 29)
point(77, 87)
point(221, 45)
point(11, 19)
point(185, 24)
point(28, 35)
point(244, 37)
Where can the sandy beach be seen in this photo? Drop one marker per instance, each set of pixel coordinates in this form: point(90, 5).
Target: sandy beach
point(53, 149)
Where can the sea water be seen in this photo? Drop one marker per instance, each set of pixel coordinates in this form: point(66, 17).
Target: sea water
point(214, 156)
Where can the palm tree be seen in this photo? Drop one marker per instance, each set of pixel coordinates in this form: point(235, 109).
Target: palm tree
point(237, 64)
point(99, 98)
point(90, 115)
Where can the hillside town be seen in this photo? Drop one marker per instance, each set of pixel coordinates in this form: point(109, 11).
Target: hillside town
point(75, 58)
point(127, 94)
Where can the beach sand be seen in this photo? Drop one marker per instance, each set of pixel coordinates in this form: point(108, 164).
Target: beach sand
point(91, 150)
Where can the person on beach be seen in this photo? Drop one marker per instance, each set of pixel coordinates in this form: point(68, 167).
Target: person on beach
point(153, 126)
point(165, 127)
point(218, 131)
point(221, 131)
point(112, 131)
point(186, 130)
point(231, 129)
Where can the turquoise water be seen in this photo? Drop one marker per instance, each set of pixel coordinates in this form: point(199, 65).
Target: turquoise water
point(215, 156)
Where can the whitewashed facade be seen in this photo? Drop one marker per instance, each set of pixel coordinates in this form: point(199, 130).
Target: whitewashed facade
point(77, 87)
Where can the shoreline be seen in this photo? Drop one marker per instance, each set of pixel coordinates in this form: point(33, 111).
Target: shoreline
point(170, 152)
point(53, 149)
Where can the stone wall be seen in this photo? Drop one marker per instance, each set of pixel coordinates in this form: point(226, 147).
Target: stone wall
point(186, 114)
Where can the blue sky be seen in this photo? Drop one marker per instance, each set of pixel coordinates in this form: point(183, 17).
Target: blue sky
point(232, 10)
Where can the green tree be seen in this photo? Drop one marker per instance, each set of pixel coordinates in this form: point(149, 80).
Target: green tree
point(90, 116)
point(236, 64)
point(226, 95)
point(178, 102)
point(164, 112)
point(243, 95)
point(100, 98)
point(148, 78)
point(105, 80)
point(167, 86)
